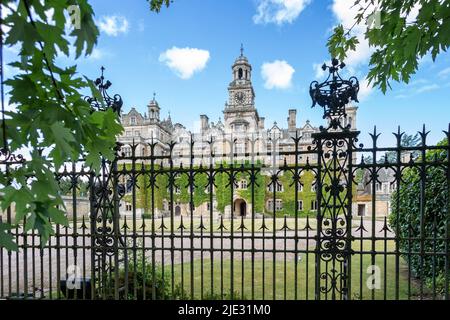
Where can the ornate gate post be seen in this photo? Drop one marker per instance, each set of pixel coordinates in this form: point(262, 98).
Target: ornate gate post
point(334, 184)
point(105, 194)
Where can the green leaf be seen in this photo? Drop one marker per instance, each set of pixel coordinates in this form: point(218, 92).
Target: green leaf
point(86, 35)
point(63, 137)
point(6, 239)
point(58, 216)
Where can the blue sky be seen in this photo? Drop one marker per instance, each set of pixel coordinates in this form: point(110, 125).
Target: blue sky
point(133, 47)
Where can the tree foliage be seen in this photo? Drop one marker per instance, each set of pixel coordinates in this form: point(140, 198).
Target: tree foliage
point(407, 141)
point(51, 119)
point(398, 40)
point(156, 5)
point(423, 230)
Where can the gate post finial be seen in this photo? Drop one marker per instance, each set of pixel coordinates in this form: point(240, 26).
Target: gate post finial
point(334, 93)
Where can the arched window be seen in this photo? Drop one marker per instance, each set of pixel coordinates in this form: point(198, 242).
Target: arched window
point(240, 73)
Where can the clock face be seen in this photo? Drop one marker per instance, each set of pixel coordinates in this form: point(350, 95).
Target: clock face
point(239, 96)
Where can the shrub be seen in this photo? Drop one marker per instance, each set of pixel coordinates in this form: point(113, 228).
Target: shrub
point(406, 213)
point(143, 277)
point(141, 280)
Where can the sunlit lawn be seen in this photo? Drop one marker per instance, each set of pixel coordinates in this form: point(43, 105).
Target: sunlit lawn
point(262, 283)
point(239, 225)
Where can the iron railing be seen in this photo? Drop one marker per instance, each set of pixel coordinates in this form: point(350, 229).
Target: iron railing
point(147, 228)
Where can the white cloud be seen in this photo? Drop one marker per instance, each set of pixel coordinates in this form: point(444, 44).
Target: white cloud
point(277, 74)
point(185, 61)
point(412, 15)
point(319, 73)
point(345, 12)
point(444, 73)
point(365, 90)
point(416, 82)
point(279, 11)
point(417, 87)
point(10, 72)
point(96, 54)
point(6, 11)
point(113, 25)
point(427, 88)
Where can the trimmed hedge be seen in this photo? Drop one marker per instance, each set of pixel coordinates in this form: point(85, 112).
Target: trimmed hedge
point(406, 216)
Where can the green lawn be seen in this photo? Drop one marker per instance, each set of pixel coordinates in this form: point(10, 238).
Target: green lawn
point(262, 284)
point(237, 225)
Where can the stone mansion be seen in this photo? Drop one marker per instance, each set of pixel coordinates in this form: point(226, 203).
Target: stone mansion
point(243, 132)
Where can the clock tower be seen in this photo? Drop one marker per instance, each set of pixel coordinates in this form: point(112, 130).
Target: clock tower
point(240, 113)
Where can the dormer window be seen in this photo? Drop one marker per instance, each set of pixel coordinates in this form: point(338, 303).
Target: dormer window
point(133, 120)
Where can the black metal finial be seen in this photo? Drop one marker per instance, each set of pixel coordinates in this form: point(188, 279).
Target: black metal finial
point(115, 102)
point(334, 93)
point(242, 50)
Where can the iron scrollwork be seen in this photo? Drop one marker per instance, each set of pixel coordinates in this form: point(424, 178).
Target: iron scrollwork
point(335, 145)
point(106, 193)
point(114, 102)
point(334, 94)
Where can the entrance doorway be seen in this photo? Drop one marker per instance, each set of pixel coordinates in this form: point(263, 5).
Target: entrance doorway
point(361, 210)
point(240, 207)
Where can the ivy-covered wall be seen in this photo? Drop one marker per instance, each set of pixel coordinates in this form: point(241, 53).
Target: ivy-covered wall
point(288, 194)
point(181, 189)
point(223, 190)
point(223, 195)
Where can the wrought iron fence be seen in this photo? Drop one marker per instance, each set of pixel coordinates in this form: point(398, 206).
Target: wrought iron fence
point(335, 220)
point(140, 230)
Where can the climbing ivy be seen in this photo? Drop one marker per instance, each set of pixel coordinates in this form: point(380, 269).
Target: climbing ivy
point(181, 189)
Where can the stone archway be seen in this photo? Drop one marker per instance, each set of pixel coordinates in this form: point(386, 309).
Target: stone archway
point(240, 207)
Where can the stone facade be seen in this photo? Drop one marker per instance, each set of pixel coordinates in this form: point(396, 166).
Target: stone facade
point(242, 134)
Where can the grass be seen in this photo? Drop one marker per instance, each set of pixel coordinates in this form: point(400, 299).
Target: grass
point(262, 286)
point(237, 224)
